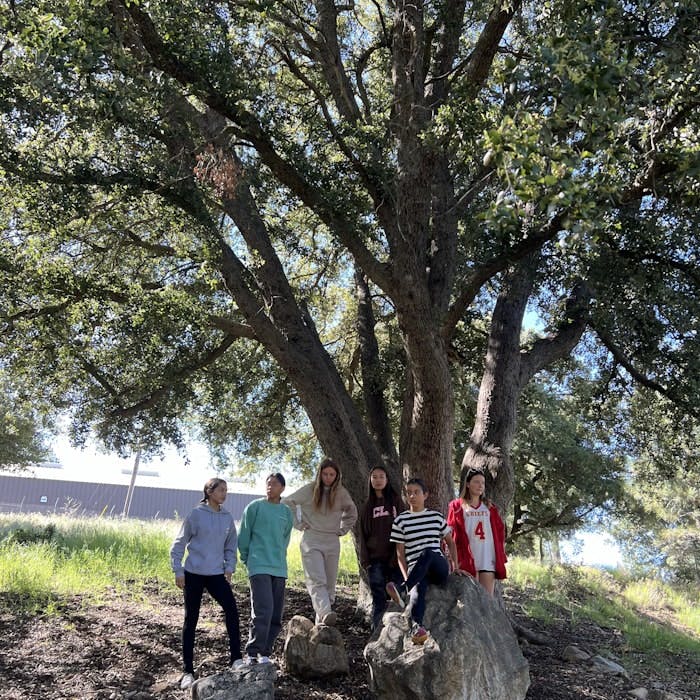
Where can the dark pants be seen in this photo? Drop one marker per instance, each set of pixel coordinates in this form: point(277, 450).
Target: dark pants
point(220, 590)
point(431, 567)
point(266, 607)
point(379, 574)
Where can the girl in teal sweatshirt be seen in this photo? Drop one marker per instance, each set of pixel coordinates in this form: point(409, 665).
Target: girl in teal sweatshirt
point(265, 529)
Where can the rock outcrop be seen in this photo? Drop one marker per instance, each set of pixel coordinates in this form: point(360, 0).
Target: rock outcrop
point(472, 652)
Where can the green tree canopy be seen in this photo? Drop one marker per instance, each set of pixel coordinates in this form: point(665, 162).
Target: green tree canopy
point(262, 204)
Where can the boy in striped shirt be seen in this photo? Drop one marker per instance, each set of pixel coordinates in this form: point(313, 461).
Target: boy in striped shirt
point(418, 533)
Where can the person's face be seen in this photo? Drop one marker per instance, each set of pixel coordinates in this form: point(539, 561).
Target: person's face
point(218, 495)
point(273, 489)
point(477, 486)
point(328, 476)
point(415, 497)
point(378, 480)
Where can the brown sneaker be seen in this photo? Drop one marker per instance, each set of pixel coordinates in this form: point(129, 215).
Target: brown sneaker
point(419, 634)
point(329, 619)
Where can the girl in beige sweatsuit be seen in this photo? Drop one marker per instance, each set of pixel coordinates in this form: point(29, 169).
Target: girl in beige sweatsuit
point(325, 512)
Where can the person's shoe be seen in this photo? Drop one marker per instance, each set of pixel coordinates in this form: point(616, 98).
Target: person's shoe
point(419, 634)
point(186, 681)
point(264, 660)
point(394, 594)
point(247, 661)
point(330, 619)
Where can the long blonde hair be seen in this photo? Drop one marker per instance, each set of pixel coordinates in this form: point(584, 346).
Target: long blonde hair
point(318, 484)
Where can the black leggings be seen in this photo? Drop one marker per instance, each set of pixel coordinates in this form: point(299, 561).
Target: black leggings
point(220, 590)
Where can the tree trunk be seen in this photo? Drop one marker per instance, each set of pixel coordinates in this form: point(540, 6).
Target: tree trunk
point(496, 413)
point(427, 425)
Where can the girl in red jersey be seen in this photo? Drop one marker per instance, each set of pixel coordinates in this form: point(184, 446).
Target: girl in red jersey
point(479, 533)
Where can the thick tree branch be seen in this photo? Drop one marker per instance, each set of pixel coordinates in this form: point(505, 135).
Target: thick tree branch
point(637, 375)
point(184, 372)
point(449, 34)
point(373, 379)
point(486, 47)
point(330, 59)
point(231, 328)
point(252, 131)
point(486, 270)
point(547, 350)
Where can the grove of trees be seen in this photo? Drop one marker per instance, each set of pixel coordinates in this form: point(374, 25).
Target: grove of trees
point(422, 232)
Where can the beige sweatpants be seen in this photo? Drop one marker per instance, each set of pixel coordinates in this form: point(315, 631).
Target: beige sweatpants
point(320, 554)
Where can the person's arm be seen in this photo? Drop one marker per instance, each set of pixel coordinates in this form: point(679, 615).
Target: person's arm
point(401, 558)
point(295, 501)
point(501, 530)
point(349, 515)
point(362, 540)
point(230, 551)
point(177, 552)
point(247, 522)
point(453, 560)
point(289, 525)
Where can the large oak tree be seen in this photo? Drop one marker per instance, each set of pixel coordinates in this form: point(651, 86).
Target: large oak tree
point(191, 190)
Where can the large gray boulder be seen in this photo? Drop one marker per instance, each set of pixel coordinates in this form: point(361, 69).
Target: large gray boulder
point(312, 651)
point(471, 654)
point(256, 682)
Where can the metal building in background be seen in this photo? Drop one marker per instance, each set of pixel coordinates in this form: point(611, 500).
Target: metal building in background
point(22, 494)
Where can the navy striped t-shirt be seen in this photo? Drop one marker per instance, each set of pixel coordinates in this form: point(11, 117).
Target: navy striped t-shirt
point(419, 531)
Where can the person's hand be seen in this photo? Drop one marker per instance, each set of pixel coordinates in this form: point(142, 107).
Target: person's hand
point(227, 576)
point(180, 582)
point(460, 572)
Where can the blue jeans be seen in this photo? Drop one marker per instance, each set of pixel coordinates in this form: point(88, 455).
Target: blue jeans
point(431, 567)
point(379, 574)
point(220, 590)
point(266, 607)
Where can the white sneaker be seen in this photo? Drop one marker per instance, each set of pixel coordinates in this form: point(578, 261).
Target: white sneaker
point(242, 663)
point(186, 681)
point(264, 660)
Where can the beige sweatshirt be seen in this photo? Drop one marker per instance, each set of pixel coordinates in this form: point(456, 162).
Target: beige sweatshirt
point(337, 521)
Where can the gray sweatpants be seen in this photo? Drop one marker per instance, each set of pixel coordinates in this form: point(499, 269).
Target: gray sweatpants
point(266, 607)
point(320, 554)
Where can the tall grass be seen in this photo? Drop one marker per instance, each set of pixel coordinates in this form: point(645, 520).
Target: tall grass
point(44, 557)
point(651, 615)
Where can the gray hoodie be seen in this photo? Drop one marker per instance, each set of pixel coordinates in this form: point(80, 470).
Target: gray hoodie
point(210, 539)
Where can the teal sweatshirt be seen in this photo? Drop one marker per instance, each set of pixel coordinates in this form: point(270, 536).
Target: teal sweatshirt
point(264, 537)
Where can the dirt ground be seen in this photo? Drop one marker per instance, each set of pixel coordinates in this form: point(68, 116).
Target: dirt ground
point(120, 649)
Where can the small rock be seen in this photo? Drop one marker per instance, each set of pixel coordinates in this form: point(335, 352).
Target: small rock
point(640, 693)
point(604, 665)
point(657, 694)
point(573, 653)
point(163, 685)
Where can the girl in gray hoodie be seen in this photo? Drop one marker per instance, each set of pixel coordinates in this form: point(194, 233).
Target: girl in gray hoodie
point(209, 536)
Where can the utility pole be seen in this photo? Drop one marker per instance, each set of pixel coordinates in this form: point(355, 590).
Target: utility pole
point(130, 490)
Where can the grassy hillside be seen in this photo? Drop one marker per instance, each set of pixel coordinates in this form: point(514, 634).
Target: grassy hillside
point(45, 558)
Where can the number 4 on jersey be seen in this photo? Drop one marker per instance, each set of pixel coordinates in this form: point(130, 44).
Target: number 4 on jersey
point(479, 531)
